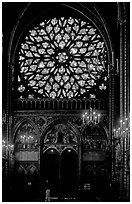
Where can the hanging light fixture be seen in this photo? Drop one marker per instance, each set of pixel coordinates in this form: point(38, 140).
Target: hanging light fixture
point(123, 128)
point(7, 148)
point(91, 117)
point(26, 140)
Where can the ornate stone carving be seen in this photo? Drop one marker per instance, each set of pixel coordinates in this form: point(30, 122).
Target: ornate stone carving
point(25, 166)
point(95, 144)
point(60, 147)
point(60, 134)
point(41, 121)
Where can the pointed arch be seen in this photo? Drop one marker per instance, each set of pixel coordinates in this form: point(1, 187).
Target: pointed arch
point(20, 123)
point(54, 124)
point(90, 14)
point(25, 136)
point(102, 128)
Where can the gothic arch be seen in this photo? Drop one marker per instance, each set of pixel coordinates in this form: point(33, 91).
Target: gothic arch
point(102, 125)
point(22, 122)
point(69, 148)
point(51, 148)
point(57, 122)
point(92, 14)
point(95, 138)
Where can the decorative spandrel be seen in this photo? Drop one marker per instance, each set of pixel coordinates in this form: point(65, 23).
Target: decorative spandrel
point(26, 138)
point(62, 58)
point(60, 134)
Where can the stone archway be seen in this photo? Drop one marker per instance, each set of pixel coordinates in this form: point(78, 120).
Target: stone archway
point(59, 161)
point(50, 162)
point(26, 154)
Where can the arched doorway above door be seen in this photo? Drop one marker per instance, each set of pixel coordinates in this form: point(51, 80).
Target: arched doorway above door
point(50, 170)
point(61, 134)
point(61, 172)
point(59, 160)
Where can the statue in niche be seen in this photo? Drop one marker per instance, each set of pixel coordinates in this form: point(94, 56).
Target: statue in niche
point(60, 136)
point(66, 139)
point(51, 137)
point(103, 145)
point(71, 138)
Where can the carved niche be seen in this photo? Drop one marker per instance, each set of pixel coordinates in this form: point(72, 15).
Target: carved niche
point(60, 133)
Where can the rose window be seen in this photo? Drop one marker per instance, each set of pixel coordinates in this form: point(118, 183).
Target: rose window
point(62, 58)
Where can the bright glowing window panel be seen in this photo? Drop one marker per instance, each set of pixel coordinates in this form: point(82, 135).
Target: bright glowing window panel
point(26, 137)
point(62, 58)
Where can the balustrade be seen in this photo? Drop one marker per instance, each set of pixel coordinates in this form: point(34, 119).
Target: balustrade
point(60, 104)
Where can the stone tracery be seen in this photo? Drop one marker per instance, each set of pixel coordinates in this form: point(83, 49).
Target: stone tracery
point(63, 57)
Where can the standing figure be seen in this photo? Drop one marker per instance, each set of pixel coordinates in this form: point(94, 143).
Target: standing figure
point(47, 193)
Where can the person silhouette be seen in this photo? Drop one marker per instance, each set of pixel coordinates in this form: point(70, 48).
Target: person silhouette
point(47, 193)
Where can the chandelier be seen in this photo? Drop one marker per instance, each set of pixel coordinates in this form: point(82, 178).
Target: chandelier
point(91, 117)
point(123, 129)
point(7, 149)
point(26, 140)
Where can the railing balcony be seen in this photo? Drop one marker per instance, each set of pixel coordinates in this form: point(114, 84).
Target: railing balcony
point(60, 104)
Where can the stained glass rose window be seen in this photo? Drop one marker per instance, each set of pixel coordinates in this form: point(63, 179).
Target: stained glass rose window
point(62, 58)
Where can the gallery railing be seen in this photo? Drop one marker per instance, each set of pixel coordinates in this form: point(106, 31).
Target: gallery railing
point(60, 104)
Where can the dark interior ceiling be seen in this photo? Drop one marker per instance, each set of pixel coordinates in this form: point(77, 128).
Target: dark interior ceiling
point(12, 10)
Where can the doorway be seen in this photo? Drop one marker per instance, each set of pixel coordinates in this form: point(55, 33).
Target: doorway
point(60, 170)
point(51, 171)
point(69, 173)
